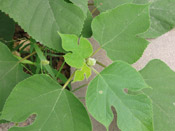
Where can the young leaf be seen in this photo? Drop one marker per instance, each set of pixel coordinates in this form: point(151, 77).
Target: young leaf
point(161, 11)
point(162, 80)
point(7, 27)
point(108, 89)
point(116, 31)
point(44, 61)
point(43, 18)
point(79, 50)
point(80, 74)
point(56, 109)
point(11, 72)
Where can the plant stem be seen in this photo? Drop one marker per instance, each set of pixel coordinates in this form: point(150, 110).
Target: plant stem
point(27, 69)
point(91, 4)
point(79, 87)
point(27, 57)
point(96, 51)
point(24, 61)
point(96, 72)
point(68, 81)
point(101, 64)
point(81, 98)
point(60, 69)
point(94, 10)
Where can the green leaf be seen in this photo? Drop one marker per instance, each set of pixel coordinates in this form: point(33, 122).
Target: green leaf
point(44, 61)
point(162, 17)
point(56, 109)
point(11, 72)
point(87, 30)
point(79, 49)
point(43, 18)
point(83, 4)
point(80, 74)
point(162, 80)
point(117, 31)
point(107, 90)
point(161, 11)
point(7, 27)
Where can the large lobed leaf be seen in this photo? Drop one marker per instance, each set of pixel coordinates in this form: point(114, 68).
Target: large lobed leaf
point(162, 80)
point(161, 12)
point(43, 18)
point(11, 72)
point(57, 109)
point(117, 31)
point(107, 90)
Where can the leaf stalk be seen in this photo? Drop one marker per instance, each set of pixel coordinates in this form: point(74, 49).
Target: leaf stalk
point(69, 80)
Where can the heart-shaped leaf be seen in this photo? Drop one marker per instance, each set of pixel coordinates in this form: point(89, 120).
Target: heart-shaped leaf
point(108, 89)
point(11, 72)
point(43, 18)
point(117, 31)
point(79, 49)
point(162, 80)
point(57, 109)
point(161, 12)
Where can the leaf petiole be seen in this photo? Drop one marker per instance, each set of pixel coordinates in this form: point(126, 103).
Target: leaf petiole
point(80, 87)
point(101, 64)
point(26, 57)
point(96, 51)
point(96, 72)
point(69, 80)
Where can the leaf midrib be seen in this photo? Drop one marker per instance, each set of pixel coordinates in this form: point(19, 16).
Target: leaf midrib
point(124, 29)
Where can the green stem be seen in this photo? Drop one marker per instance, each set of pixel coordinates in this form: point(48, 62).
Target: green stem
point(101, 64)
point(81, 98)
point(96, 72)
point(27, 69)
point(96, 51)
point(24, 61)
point(80, 87)
point(91, 4)
point(60, 69)
point(68, 81)
point(26, 57)
point(93, 11)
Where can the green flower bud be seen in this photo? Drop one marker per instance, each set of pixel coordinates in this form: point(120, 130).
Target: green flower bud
point(45, 62)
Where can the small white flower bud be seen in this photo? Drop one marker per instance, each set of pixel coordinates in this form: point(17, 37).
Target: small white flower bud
point(91, 61)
